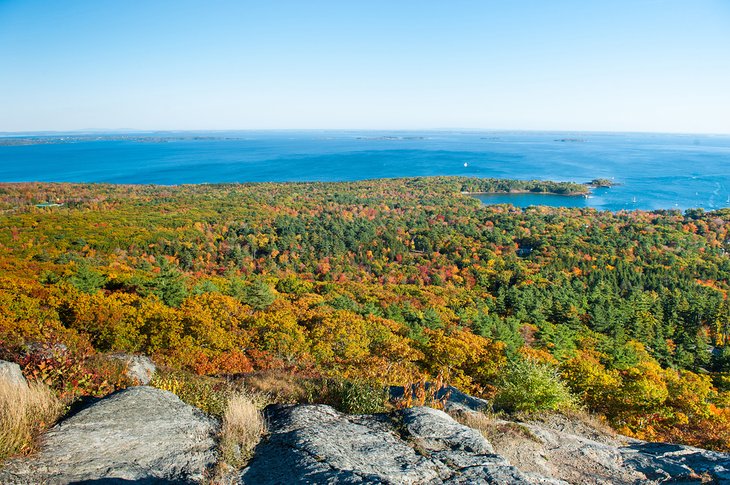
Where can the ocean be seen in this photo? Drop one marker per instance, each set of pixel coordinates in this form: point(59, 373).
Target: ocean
point(654, 171)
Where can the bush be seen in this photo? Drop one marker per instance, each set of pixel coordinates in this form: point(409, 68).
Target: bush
point(530, 386)
point(196, 391)
point(73, 373)
point(25, 411)
point(351, 396)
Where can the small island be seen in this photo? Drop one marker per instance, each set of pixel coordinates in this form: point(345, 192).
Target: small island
point(571, 140)
point(601, 183)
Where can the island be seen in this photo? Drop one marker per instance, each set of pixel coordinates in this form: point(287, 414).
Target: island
point(480, 186)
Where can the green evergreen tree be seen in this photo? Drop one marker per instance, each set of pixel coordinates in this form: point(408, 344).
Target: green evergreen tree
point(87, 279)
point(258, 295)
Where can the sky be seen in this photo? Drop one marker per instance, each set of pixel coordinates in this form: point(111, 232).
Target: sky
point(611, 65)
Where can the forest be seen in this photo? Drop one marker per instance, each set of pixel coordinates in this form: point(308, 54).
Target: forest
point(394, 281)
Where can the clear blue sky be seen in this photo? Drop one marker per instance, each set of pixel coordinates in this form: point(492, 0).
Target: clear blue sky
point(615, 65)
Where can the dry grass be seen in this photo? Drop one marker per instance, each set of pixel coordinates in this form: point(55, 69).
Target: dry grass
point(283, 387)
point(579, 422)
point(492, 428)
point(243, 426)
point(25, 412)
point(574, 421)
point(479, 421)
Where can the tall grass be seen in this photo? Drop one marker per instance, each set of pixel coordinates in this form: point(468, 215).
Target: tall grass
point(25, 412)
point(242, 428)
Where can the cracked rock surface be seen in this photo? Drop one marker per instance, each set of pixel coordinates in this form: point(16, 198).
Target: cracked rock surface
point(568, 450)
point(316, 444)
point(140, 434)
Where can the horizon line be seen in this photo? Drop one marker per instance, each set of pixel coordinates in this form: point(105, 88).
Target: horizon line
point(103, 131)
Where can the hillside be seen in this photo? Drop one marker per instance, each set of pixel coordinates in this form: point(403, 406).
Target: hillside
point(365, 284)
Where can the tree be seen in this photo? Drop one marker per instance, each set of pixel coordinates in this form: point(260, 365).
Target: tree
point(169, 285)
point(258, 295)
point(88, 280)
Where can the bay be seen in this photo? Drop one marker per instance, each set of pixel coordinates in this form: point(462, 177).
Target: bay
point(654, 171)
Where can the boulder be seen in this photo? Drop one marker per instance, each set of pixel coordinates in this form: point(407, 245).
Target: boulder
point(138, 368)
point(316, 444)
point(665, 462)
point(139, 434)
point(46, 350)
point(469, 457)
point(455, 400)
point(10, 372)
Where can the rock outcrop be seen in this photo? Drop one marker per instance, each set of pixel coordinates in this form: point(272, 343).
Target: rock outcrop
point(141, 434)
point(145, 435)
point(316, 444)
point(568, 450)
point(11, 373)
point(138, 368)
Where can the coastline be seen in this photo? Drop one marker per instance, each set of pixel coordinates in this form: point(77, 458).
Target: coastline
point(517, 192)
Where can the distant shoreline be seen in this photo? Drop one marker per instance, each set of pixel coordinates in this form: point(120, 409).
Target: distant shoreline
point(517, 163)
point(519, 192)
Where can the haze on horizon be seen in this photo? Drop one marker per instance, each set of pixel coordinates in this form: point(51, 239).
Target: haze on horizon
point(625, 65)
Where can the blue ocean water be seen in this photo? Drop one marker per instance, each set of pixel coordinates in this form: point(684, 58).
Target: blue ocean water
point(655, 171)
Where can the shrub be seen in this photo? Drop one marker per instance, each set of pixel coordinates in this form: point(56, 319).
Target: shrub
point(72, 372)
point(351, 396)
point(196, 391)
point(25, 411)
point(530, 386)
point(242, 428)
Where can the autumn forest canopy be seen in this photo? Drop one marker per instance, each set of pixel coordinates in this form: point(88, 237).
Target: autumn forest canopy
point(388, 280)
